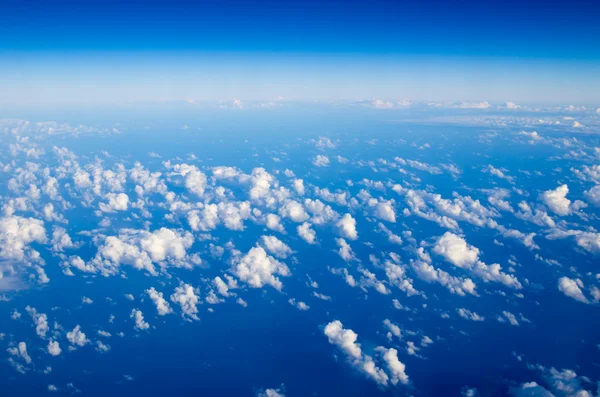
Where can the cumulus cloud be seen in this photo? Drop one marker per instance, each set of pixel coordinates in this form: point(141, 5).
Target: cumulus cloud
point(116, 202)
point(321, 161)
point(142, 250)
point(186, 297)
point(275, 246)
point(346, 342)
point(306, 233)
point(456, 250)
point(138, 317)
point(556, 200)
point(76, 337)
point(162, 306)
point(469, 315)
point(572, 289)
point(258, 269)
point(347, 227)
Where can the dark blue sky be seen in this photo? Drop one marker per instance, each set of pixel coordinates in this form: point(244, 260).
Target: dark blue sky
point(81, 51)
point(548, 29)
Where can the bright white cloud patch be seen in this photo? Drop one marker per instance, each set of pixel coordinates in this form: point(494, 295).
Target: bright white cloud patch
point(257, 269)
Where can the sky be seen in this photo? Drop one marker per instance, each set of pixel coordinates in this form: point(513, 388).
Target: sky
point(111, 52)
point(282, 199)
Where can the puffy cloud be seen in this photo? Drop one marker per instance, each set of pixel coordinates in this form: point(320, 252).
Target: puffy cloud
point(556, 200)
point(456, 250)
point(345, 251)
point(194, 179)
point(593, 195)
point(321, 161)
point(162, 306)
point(274, 223)
point(40, 320)
point(299, 186)
point(428, 273)
point(116, 202)
point(138, 317)
point(257, 269)
point(271, 393)
point(508, 316)
point(142, 249)
point(395, 367)
point(572, 289)
point(347, 227)
point(186, 297)
point(275, 246)
point(346, 341)
point(293, 210)
point(393, 329)
point(16, 233)
point(76, 337)
point(61, 240)
point(385, 211)
point(469, 315)
point(21, 352)
point(306, 233)
point(498, 173)
point(298, 304)
point(53, 348)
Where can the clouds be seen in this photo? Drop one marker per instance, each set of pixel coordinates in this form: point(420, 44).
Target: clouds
point(138, 318)
point(456, 250)
point(572, 289)
point(257, 269)
point(321, 161)
point(142, 250)
point(17, 233)
point(186, 297)
point(77, 338)
point(306, 233)
point(346, 341)
point(116, 202)
point(194, 179)
point(557, 201)
point(347, 227)
point(275, 246)
point(162, 306)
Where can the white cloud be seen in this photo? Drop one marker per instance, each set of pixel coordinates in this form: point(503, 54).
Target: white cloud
point(142, 249)
point(293, 210)
point(395, 367)
point(116, 202)
point(77, 337)
point(321, 161)
point(275, 246)
point(557, 201)
point(257, 269)
point(194, 179)
point(162, 306)
point(40, 320)
point(299, 186)
point(345, 251)
point(456, 250)
point(347, 227)
point(186, 297)
point(306, 233)
point(346, 341)
point(138, 316)
point(572, 289)
point(385, 210)
point(469, 315)
point(20, 351)
point(53, 348)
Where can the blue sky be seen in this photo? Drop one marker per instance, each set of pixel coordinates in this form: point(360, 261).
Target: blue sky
point(103, 51)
